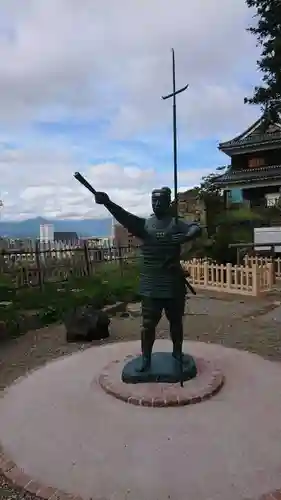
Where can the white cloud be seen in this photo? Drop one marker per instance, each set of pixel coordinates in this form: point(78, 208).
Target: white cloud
point(36, 192)
point(111, 60)
point(91, 56)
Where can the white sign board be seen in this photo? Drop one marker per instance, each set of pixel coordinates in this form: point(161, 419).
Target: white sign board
point(271, 235)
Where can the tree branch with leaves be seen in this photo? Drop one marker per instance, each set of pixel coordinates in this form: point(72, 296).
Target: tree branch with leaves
point(267, 30)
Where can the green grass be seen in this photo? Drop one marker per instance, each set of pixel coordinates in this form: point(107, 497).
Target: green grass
point(110, 284)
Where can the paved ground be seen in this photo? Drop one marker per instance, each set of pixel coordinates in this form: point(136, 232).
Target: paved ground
point(272, 317)
point(233, 321)
point(244, 323)
point(74, 437)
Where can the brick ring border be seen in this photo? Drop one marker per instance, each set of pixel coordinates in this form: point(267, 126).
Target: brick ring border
point(25, 483)
point(208, 382)
point(273, 495)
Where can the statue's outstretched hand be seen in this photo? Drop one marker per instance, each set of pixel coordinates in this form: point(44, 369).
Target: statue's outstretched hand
point(101, 198)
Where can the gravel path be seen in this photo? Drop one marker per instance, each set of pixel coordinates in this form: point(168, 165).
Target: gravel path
point(248, 324)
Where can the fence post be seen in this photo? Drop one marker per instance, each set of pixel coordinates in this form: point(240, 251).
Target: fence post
point(228, 276)
point(206, 273)
point(120, 260)
point(278, 267)
point(87, 258)
point(256, 280)
point(271, 275)
point(38, 264)
point(2, 260)
point(274, 273)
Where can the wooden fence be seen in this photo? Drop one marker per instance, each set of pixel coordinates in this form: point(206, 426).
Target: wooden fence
point(260, 261)
point(246, 280)
point(46, 263)
point(40, 264)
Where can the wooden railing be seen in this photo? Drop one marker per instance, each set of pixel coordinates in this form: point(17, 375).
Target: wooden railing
point(39, 265)
point(261, 261)
point(246, 280)
point(44, 263)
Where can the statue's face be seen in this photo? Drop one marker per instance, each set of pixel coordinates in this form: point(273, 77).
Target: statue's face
point(161, 201)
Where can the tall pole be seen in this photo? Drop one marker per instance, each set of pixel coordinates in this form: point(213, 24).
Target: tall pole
point(173, 95)
point(175, 137)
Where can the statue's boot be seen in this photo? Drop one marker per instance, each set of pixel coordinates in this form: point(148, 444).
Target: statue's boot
point(147, 341)
point(177, 354)
point(145, 364)
point(176, 332)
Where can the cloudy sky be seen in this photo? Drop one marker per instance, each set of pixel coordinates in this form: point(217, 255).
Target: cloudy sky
point(80, 89)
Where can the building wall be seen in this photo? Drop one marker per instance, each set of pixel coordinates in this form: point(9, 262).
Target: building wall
point(46, 232)
point(100, 242)
point(191, 207)
point(257, 159)
point(123, 238)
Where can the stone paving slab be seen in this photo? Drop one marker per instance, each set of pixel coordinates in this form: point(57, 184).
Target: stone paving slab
point(221, 308)
point(272, 316)
point(64, 431)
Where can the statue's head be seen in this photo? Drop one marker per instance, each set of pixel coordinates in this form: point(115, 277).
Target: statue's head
point(161, 201)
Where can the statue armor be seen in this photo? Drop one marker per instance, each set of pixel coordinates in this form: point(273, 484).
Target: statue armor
point(162, 280)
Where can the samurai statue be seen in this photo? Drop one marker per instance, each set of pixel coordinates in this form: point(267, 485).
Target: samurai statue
point(162, 279)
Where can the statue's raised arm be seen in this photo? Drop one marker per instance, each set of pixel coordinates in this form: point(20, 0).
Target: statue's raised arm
point(134, 224)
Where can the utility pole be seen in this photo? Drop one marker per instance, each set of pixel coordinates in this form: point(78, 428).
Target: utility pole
point(173, 95)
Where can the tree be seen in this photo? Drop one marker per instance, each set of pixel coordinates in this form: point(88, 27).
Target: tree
point(268, 33)
point(212, 197)
point(232, 226)
point(208, 188)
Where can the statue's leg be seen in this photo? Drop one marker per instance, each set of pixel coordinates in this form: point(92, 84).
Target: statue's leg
point(174, 310)
point(151, 314)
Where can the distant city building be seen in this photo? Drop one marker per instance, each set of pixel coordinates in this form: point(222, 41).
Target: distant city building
point(122, 237)
point(46, 233)
point(100, 242)
point(113, 222)
point(68, 237)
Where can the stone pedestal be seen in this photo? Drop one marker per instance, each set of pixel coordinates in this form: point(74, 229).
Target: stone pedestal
point(164, 369)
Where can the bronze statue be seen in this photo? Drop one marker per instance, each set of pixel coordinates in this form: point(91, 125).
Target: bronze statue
point(162, 281)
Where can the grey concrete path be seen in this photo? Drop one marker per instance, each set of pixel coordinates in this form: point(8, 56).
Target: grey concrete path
point(273, 317)
point(222, 307)
point(62, 429)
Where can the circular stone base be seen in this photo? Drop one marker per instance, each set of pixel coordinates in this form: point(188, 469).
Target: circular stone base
point(273, 495)
point(65, 434)
point(208, 382)
point(164, 369)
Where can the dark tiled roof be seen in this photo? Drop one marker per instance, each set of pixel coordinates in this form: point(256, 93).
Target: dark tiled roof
point(250, 174)
point(65, 236)
point(261, 132)
point(253, 140)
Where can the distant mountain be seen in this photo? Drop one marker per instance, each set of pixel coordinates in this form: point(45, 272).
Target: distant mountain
point(30, 228)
